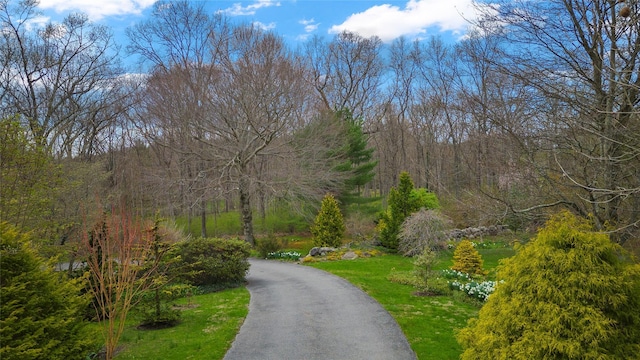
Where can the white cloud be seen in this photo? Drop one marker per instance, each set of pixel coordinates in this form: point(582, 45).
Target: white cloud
point(238, 10)
point(263, 26)
point(309, 25)
point(389, 22)
point(96, 9)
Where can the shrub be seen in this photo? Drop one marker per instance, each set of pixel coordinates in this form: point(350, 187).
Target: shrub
point(423, 265)
point(42, 312)
point(422, 198)
point(467, 259)
point(328, 228)
point(213, 261)
point(570, 293)
point(155, 307)
point(403, 201)
point(268, 245)
point(425, 229)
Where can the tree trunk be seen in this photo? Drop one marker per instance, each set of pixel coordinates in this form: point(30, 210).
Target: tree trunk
point(245, 206)
point(203, 220)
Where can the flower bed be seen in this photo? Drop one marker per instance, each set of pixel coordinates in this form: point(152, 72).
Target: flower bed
point(284, 255)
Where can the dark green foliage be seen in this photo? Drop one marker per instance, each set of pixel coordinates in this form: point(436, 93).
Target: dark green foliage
point(41, 316)
point(328, 228)
point(268, 245)
point(156, 307)
point(214, 261)
point(570, 293)
point(357, 159)
point(403, 201)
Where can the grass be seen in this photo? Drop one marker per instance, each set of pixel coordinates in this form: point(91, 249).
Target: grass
point(209, 325)
point(280, 220)
point(429, 323)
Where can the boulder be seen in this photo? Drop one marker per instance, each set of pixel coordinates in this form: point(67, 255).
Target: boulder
point(315, 251)
point(321, 251)
point(349, 255)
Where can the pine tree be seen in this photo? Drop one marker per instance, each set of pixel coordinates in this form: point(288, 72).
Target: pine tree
point(570, 293)
point(357, 161)
point(467, 259)
point(328, 228)
point(400, 206)
point(41, 316)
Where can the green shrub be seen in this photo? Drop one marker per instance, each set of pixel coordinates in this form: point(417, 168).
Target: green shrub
point(467, 259)
point(41, 316)
point(155, 307)
point(268, 245)
point(213, 261)
point(570, 293)
point(403, 201)
point(422, 198)
point(328, 228)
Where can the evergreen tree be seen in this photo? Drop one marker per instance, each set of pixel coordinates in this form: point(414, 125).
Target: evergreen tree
point(41, 316)
point(570, 293)
point(357, 159)
point(400, 206)
point(467, 259)
point(328, 228)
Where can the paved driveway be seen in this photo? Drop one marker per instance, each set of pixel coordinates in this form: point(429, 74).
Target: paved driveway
point(298, 312)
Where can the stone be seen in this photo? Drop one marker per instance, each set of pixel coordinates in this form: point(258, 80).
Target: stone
point(349, 255)
point(315, 251)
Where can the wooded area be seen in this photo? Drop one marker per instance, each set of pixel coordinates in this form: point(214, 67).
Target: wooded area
point(534, 111)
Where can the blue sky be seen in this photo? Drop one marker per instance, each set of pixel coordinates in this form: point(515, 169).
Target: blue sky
point(296, 20)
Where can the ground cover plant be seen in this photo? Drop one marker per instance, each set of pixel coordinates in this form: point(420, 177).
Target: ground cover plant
point(209, 324)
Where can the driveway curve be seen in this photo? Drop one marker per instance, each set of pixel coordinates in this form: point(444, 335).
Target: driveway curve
point(299, 312)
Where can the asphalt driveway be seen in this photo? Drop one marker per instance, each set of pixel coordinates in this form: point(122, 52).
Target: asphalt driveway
point(298, 312)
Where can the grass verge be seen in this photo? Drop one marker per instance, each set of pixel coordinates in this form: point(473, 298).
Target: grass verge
point(429, 322)
point(209, 325)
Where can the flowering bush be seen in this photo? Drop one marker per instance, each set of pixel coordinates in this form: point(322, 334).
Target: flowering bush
point(479, 290)
point(284, 255)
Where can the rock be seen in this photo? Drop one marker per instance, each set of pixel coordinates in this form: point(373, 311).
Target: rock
point(349, 255)
point(321, 251)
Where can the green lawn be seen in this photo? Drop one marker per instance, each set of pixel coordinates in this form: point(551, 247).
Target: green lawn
point(209, 325)
point(428, 322)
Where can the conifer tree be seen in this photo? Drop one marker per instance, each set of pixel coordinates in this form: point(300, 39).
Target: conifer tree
point(41, 316)
point(571, 293)
point(357, 158)
point(328, 228)
point(400, 206)
point(467, 259)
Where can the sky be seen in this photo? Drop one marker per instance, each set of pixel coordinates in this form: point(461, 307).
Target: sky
point(297, 20)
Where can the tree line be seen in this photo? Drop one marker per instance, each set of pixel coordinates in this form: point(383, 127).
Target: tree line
point(534, 110)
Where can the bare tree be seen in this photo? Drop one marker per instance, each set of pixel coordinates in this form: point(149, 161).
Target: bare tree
point(116, 249)
point(347, 73)
point(59, 78)
point(228, 102)
point(581, 59)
